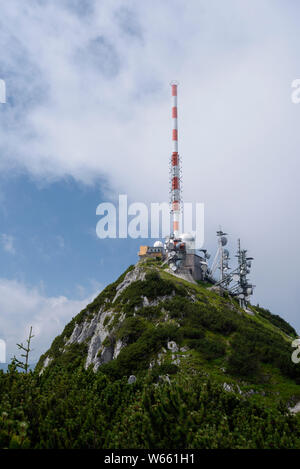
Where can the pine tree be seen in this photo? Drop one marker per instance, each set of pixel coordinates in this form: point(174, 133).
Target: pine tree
point(27, 350)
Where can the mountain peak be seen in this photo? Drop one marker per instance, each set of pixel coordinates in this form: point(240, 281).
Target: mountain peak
point(150, 321)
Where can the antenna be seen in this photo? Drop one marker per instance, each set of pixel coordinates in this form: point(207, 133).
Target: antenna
point(244, 288)
point(236, 281)
point(221, 258)
point(175, 171)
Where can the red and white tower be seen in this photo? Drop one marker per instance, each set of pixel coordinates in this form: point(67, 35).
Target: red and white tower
point(175, 171)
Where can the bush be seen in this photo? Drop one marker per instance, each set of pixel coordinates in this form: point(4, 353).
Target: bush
point(131, 329)
point(210, 349)
point(136, 356)
point(164, 369)
point(244, 358)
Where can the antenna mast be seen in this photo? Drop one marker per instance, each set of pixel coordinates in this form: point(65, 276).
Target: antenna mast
point(175, 170)
point(221, 258)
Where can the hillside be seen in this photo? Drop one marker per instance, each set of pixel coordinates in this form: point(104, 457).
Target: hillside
point(156, 361)
point(151, 320)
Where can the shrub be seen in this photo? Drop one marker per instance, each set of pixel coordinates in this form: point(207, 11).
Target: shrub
point(210, 349)
point(131, 329)
point(244, 358)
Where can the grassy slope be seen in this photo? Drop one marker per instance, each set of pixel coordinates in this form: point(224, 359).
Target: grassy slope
point(276, 387)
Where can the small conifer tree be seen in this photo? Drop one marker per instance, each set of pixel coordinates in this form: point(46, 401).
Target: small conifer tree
point(27, 350)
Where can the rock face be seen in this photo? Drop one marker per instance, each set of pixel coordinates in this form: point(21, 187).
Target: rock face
point(136, 274)
point(96, 331)
point(97, 328)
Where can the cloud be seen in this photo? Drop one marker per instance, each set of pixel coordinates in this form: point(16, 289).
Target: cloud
point(22, 307)
point(88, 97)
point(93, 96)
point(7, 242)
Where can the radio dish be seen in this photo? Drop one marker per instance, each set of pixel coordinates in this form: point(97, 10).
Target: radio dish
point(226, 253)
point(223, 240)
point(236, 277)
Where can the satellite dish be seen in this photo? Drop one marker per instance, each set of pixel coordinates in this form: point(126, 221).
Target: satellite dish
point(236, 277)
point(158, 244)
point(174, 267)
point(223, 240)
point(249, 291)
point(241, 296)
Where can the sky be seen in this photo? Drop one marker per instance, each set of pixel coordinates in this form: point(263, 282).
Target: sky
point(87, 118)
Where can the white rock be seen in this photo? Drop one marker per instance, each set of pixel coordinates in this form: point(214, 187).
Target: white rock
point(47, 361)
point(173, 346)
point(132, 276)
point(164, 379)
point(176, 361)
point(295, 409)
point(145, 301)
point(131, 379)
point(118, 348)
point(227, 387)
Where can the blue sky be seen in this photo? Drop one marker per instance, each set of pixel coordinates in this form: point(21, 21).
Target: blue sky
point(53, 239)
point(88, 117)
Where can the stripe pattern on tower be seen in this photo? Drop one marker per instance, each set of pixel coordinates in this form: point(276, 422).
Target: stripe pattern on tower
point(175, 170)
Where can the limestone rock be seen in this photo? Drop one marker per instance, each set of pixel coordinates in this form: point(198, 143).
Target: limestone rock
point(131, 379)
point(172, 346)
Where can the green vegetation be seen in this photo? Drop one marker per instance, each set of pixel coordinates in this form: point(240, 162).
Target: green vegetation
point(137, 355)
point(82, 409)
point(277, 321)
point(152, 287)
point(178, 400)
